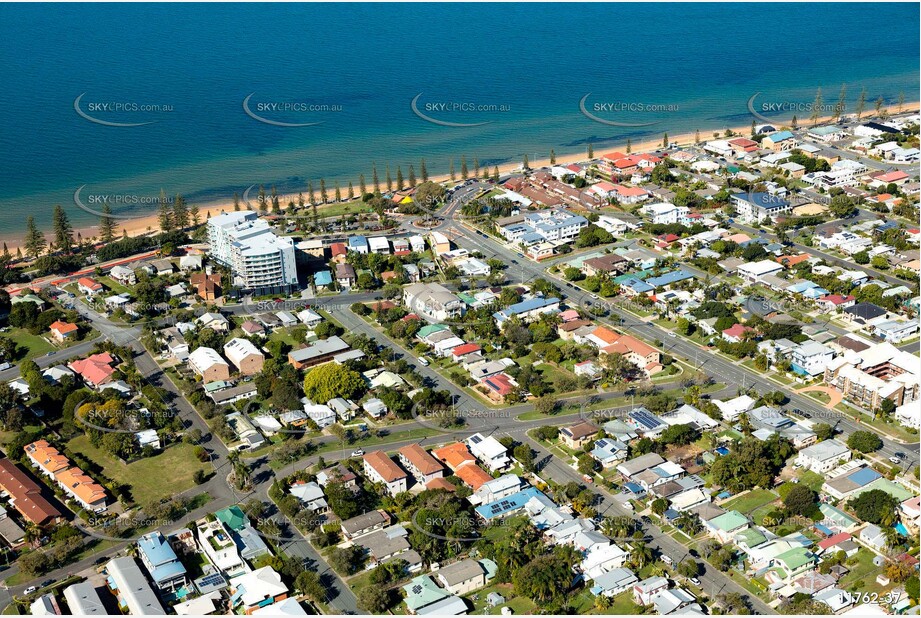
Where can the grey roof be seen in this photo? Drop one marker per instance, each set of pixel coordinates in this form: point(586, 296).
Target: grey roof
point(320, 348)
point(363, 522)
point(461, 571)
point(638, 464)
point(380, 545)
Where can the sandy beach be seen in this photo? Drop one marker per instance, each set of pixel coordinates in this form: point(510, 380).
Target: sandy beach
point(147, 224)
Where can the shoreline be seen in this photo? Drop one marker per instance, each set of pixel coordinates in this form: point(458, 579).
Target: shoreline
point(139, 226)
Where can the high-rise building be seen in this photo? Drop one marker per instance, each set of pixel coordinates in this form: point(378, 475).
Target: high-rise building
point(257, 258)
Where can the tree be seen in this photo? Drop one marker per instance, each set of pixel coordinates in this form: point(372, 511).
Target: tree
point(308, 584)
point(659, 506)
point(640, 555)
point(864, 441)
point(816, 107)
point(591, 150)
point(801, 500)
point(586, 464)
point(423, 171)
point(912, 587)
point(688, 568)
point(198, 477)
point(841, 105)
point(63, 230)
point(665, 140)
point(876, 507)
point(544, 578)
point(525, 456)
point(861, 102)
point(180, 213)
point(329, 381)
point(34, 242)
point(546, 404)
point(106, 224)
point(164, 213)
point(823, 431)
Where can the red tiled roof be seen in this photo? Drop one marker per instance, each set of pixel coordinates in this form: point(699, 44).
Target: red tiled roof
point(420, 458)
point(25, 494)
point(455, 455)
point(834, 540)
point(466, 348)
point(63, 327)
point(500, 383)
point(89, 283)
point(95, 369)
point(473, 475)
point(383, 465)
point(737, 330)
point(837, 299)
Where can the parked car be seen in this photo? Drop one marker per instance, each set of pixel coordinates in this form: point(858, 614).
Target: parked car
point(423, 361)
point(694, 581)
point(358, 452)
point(667, 560)
point(29, 590)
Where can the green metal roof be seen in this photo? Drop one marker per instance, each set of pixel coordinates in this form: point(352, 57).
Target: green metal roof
point(425, 331)
point(423, 591)
point(729, 521)
point(232, 517)
point(751, 537)
point(793, 559)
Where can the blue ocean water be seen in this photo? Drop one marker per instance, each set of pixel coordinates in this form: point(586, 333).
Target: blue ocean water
point(531, 64)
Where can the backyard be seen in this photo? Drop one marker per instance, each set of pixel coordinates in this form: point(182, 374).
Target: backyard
point(150, 478)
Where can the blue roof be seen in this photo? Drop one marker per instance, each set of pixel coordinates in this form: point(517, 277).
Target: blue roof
point(763, 200)
point(637, 286)
point(509, 504)
point(634, 488)
point(155, 549)
point(864, 476)
point(669, 278)
point(357, 241)
point(888, 225)
point(524, 306)
point(780, 135)
point(166, 572)
point(322, 278)
point(802, 286)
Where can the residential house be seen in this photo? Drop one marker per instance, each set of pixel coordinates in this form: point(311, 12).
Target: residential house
point(207, 363)
point(244, 355)
point(380, 468)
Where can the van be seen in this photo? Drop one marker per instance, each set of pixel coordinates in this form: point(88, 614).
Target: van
point(423, 361)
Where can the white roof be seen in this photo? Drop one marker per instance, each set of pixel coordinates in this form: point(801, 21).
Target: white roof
point(487, 447)
point(238, 349)
point(203, 358)
point(378, 242)
point(761, 268)
point(259, 585)
point(288, 607)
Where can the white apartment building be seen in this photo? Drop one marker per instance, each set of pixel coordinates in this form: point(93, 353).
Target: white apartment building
point(257, 257)
point(664, 213)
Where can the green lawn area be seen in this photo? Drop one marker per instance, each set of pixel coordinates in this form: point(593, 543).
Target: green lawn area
point(863, 573)
point(151, 478)
point(750, 501)
point(283, 335)
point(113, 285)
point(345, 208)
point(811, 479)
point(34, 344)
point(518, 605)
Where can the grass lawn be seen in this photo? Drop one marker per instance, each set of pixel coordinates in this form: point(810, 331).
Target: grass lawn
point(35, 345)
point(345, 208)
point(150, 478)
point(863, 573)
point(113, 285)
point(750, 501)
point(812, 480)
point(283, 335)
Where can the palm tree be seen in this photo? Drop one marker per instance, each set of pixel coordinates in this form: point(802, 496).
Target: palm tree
point(640, 555)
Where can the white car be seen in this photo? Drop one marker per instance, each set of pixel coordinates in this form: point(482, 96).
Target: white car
point(424, 361)
point(358, 452)
point(896, 460)
point(694, 581)
point(29, 590)
point(667, 560)
point(673, 335)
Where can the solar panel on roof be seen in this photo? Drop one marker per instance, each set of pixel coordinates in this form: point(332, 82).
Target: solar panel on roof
point(417, 589)
point(476, 439)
